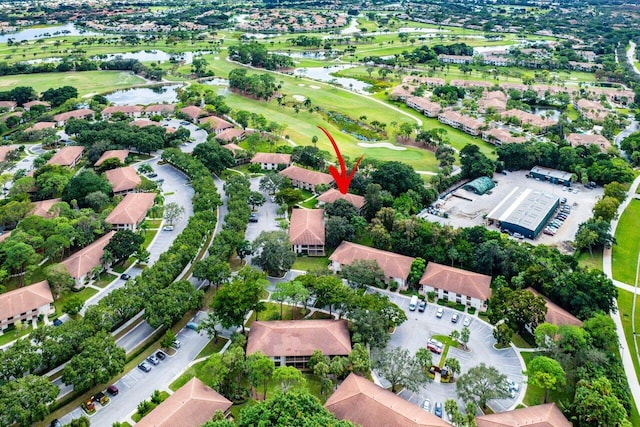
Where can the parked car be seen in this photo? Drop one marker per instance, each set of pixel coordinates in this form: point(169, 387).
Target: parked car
point(253, 217)
point(125, 276)
point(176, 344)
point(518, 236)
point(185, 123)
point(454, 318)
point(167, 228)
point(438, 409)
point(152, 175)
point(144, 367)
point(422, 306)
point(426, 405)
point(55, 423)
point(563, 200)
point(160, 355)
point(435, 346)
point(439, 312)
point(57, 322)
point(467, 321)
point(153, 360)
point(101, 398)
point(192, 325)
point(113, 390)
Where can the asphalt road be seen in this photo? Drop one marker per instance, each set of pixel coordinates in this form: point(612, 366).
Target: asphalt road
point(419, 327)
point(266, 216)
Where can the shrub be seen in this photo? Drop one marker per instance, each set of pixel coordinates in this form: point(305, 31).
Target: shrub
point(471, 310)
point(394, 286)
point(431, 296)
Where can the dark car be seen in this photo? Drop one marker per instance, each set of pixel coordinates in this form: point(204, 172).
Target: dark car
point(422, 306)
point(55, 423)
point(454, 318)
point(57, 322)
point(113, 390)
point(153, 360)
point(125, 276)
point(144, 367)
point(192, 325)
point(160, 355)
point(253, 217)
point(438, 409)
point(152, 175)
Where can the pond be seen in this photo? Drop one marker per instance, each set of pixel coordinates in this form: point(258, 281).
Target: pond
point(551, 113)
point(324, 75)
point(145, 95)
point(312, 54)
point(55, 31)
point(216, 81)
point(153, 56)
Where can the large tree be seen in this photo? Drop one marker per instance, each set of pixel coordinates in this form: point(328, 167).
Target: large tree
point(596, 405)
point(167, 305)
point(372, 331)
point(99, 359)
point(26, 400)
point(123, 244)
point(338, 229)
point(274, 252)
point(396, 178)
point(362, 273)
point(474, 163)
point(518, 308)
point(547, 374)
point(82, 184)
point(213, 156)
point(399, 367)
point(481, 384)
point(260, 369)
point(173, 212)
point(235, 300)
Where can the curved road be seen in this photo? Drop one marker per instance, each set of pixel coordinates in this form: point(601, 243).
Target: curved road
point(631, 54)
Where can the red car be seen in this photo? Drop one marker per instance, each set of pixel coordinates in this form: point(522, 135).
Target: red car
point(435, 346)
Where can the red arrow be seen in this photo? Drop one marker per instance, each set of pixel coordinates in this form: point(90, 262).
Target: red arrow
point(342, 178)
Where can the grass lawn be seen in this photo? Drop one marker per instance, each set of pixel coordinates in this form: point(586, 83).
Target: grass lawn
point(625, 305)
point(272, 310)
point(149, 235)
point(14, 334)
point(535, 395)
point(519, 342)
point(84, 294)
point(87, 82)
point(212, 347)
point(137, 417)
point(153, 223)
point(625, 251)
point(311, 263)
point(309, 204)
point(105, 279)
point(120, 268)
point(595, 262)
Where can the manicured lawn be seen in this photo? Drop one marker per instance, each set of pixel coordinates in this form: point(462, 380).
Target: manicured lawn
point(625, 305)
point(309, 204)
point(13, 334)
point(272, 311)
point(311, 263)
point(148, 237)
point(519, 342)
point(84, 294)
point(153, 223)
point(212, 347)
point(595, 262)
point(87, 82)
point(625, 252)
point(105, 279)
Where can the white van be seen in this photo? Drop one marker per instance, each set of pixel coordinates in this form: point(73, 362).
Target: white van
point(413, 303)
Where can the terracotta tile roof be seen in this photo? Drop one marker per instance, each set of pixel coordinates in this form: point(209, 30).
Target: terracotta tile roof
point(556, 314)
point(81, 262)
point(299, 337)
point(587, 139)
point(78, 114)
point(126, 109)
point(331, 195)
point(392, 264)
point(191, 405)
point(40, 126)
point(6, 149)
point(217, 123)
point(42, 207)
point(192, 111)
point(276, 158)
point(141, 123)
point(234, 148)
point(123, 179)
point(132, 209)
point(160, 108)
point(230, 134)
point(24, 299)
point(8, 104)
point(547, 415)
point(113, 154)
point(4, 236)
point(528, 118)
point(503, 136)
point(66, 156)
point(456, 117)
point(462, 282)
point(30, 104)
point(307, 227)
point(307, 176)
point(362, 402)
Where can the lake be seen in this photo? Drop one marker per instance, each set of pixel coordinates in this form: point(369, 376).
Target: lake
point(145, 95)
point(324, 75)
point(154, 56)
point(36, 33)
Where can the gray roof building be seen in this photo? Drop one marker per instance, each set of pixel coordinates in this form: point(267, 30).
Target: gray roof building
point(524, 211)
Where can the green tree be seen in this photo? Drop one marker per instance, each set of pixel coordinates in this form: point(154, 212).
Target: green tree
point(289, 378)
point(417, 269)
point(503, 334)
point(519, 308)
point(26, 400)
point(362, 273)
point(596, 405)
point(123, 244)
point(167, 305)
point(474, 163)
point(453, 364)
point(235, 300)
point(399, 367)
point(168, 339)
point(18, 256)
point(547, 374)
point(256, 199)
point(274, 252)
point(59, 278)
point(372, 331)
point(481, 384)
point(338, 229)
point(260, 368)
point(99, 359)
point(293, 292)
point(83, 184)
point(73, 305)
point(173, 212)
point(424, 358)
point(606, 208)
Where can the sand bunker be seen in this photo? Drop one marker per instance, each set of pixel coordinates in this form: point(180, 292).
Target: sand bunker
point(299, 98)
point(381, 145)
point(301, 84)
point(314, 87)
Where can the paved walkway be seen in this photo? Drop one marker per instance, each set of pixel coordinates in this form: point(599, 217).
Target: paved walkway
point(632, 376)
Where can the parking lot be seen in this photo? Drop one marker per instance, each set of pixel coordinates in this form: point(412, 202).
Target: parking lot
point(420, 326)
point(469, 213)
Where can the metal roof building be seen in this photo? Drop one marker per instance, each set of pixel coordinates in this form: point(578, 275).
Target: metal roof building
point(524, 211)
point(480, 185)
point(554, 176)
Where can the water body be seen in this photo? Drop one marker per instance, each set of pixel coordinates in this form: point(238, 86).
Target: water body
point(154, 56)
point(551, 113)
point(324, 75)
point(55, 31)
point(304, 55)
point(145, 95)
point(216, 81)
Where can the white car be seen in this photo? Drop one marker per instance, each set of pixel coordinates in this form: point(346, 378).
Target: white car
point(426, 405)
point(467, 321)
point(167, 228)
point(439, 312)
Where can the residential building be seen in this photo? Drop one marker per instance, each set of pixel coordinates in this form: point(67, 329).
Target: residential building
point(592, 110)
point(131, 211)
point(84, 113)
point(40, 126)
point(556, 315)
point(18, 114)
point(496, 100)
point(530, 119)
point(402, 92)
point(332, 195)
point(216, 124)
point(42, 208)
point(193, 113)
point(5, 150)
point(499, 136)
point(423, 105)
point(395, 267)
point(132, 111)
point(143, 123)
point(292, 342)
point(496, 61)
point(272, 161)
point(455, 59)
point(429, 81)
point(8, 105)
point(80, 264)
point(240, 156)
point(464, 123)
point(305, 178)
point(67, 156)
point(123, 180)
point(25, 304)
point(162, 109)
point(121, 155)
point(27, 105)
point(457, 285)
point(306, 231)
point(547, 415)
point(587, 139)
point(192, 405)
point(366, 404)
point(231, 135)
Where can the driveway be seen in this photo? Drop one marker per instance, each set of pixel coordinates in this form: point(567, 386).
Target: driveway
point(419, 327)
point(266, 216)
point(198, 135)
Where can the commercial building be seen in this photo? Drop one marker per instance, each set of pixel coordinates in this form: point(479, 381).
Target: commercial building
point(524, 211)
point(480, 185)
point(554, 176)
